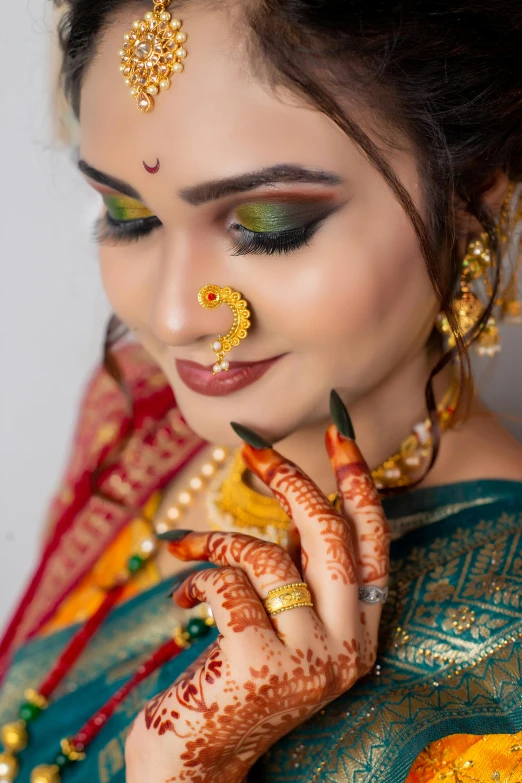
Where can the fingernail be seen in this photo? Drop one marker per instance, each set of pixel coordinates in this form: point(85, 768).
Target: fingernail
point(173, 535)
point(250, 437)
point(177, 583)
point(340, 416)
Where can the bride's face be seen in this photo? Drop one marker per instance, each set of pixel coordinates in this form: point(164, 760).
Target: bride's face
point(257, 192)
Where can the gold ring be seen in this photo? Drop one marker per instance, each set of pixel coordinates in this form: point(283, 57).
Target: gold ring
point(287, 597)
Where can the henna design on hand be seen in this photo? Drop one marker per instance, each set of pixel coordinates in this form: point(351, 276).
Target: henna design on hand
point(265, 561)
point(252, 689)
point(234, 592)
point(361, 500)
point(224, 743)
point(290, 486)
point(159, 717)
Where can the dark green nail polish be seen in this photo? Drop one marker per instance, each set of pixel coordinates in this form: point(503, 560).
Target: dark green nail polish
point(340, 416)
point(250, 437)
point(173, 535)
point(177, 583)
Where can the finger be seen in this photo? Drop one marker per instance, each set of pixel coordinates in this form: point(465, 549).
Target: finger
point(235, 605)
point(266, 565)
point(370, 531)
point(361, 505)
point(327, 555)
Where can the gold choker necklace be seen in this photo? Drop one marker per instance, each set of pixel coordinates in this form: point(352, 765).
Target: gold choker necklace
point(233, 505)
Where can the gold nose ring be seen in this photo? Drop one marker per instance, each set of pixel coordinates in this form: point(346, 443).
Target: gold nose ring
point(212, 296)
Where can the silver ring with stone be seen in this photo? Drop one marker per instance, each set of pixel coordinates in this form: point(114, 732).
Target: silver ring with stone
point(371, 594)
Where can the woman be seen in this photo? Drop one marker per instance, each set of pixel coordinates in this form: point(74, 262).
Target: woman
point(342, 176)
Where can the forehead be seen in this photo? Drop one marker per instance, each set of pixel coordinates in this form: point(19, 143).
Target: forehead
point(217, 118)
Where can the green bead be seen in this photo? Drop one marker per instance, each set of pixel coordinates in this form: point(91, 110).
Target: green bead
point(197, 628)
point(135, 563)
point(29, 712)
point(62, 761)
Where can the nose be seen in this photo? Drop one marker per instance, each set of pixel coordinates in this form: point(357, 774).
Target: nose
point(176, 317)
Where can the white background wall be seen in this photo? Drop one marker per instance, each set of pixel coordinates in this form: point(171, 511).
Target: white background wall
point(52, 309)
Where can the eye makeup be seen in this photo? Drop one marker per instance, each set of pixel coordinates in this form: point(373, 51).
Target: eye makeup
point(123, 208)
point(269, 217)
point(275, 227)
point(268, 226)
point(126, 220)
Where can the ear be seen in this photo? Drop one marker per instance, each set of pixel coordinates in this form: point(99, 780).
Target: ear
point(496, 193)
point(493, 197)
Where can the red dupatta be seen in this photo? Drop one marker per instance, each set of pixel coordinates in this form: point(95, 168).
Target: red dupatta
point(84, 523)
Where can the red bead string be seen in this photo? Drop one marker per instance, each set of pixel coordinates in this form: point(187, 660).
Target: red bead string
point(95, 724)
point(79, 642)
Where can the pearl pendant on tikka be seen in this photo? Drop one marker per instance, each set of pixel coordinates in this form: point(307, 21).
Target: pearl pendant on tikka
point(212, 296)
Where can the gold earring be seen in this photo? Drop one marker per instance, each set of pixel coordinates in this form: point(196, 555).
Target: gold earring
point(152, 53)
point(468, 307)
point(475, 266)
point(510, 233)
point(212, 296)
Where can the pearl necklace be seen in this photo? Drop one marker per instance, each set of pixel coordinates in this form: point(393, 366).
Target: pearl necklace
point(185, 498)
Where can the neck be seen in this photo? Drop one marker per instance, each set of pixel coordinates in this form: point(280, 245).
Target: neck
point(382, 418)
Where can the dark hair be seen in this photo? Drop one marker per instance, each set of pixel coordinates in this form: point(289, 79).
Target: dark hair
point(447, 76)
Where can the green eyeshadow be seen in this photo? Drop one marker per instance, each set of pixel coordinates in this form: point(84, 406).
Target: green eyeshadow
point(122, 208)
point(276, 216)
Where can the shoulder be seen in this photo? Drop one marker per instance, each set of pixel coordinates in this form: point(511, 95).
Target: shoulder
point(141, 378)
point(108, 406)
point(107, 411)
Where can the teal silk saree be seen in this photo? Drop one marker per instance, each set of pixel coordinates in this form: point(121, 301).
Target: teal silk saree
point(450, 658)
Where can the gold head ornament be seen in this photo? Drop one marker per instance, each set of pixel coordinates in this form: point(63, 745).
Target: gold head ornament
point(153, 51)
point(212, 296)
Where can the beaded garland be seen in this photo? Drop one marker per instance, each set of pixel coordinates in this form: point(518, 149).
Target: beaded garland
point(185, 498)
point(15, 736)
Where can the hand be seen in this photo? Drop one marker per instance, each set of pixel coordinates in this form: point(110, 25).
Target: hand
point(267, 674)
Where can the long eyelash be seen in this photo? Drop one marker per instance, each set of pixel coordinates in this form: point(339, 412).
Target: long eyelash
point(273, 242)
point(108, 231)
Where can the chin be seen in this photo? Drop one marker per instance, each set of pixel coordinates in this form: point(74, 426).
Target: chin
point(273, 417)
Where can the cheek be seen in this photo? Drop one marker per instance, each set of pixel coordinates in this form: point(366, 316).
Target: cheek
point(351, 291)
point(124, 278)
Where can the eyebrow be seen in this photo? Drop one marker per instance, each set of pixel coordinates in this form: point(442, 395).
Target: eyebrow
point(108, 181)
point(215, 189)
point(219, 188)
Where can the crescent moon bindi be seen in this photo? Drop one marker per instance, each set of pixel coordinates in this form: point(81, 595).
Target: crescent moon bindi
point(152, 169)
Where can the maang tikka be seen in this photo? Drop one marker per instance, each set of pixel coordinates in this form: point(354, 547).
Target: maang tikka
point(152, 53)
point(212, 296)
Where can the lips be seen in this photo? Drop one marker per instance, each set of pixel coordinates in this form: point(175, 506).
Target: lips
point(201, 380)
